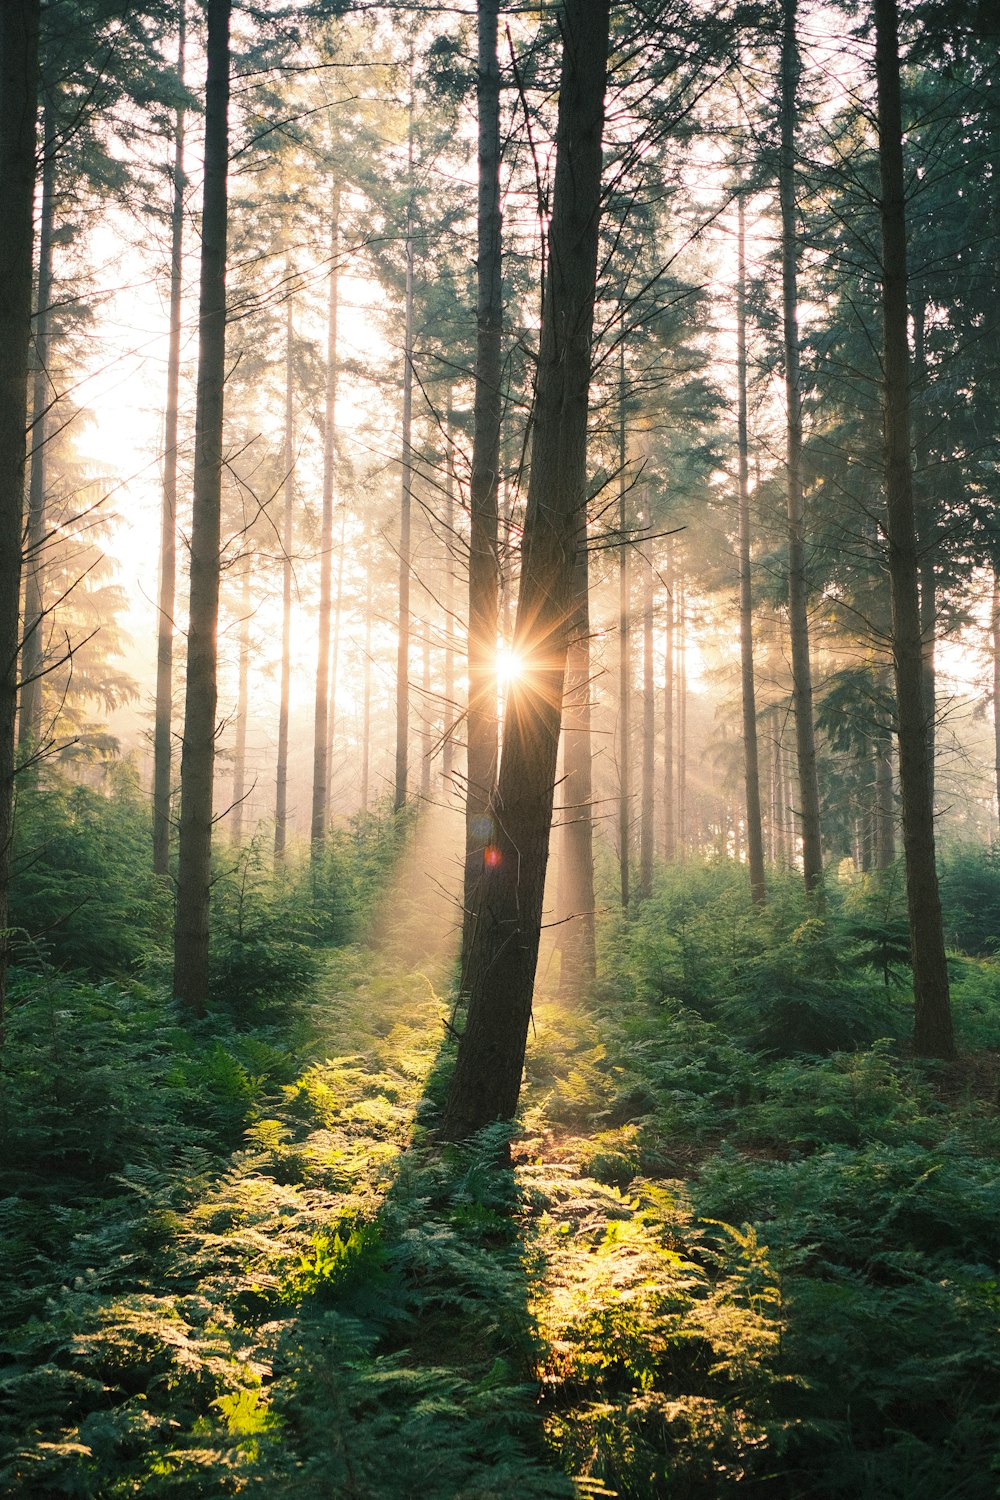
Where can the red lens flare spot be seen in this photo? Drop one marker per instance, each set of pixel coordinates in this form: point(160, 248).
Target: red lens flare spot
point(492, 857)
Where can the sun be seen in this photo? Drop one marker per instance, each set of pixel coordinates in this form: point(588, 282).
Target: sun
point(509, 665)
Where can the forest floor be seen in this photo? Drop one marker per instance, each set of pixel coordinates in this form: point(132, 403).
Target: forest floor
point(704, 1269)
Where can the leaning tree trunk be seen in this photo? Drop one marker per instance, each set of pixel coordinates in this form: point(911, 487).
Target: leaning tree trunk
point(321, 749)
point(504, 949)
point(168, 514)
point(18, 110)
point(751, 758)
point(798, 593)
point(932, 1034)
point(32, 648)
point(194, 854)
point(481, 722)
point(288, 492)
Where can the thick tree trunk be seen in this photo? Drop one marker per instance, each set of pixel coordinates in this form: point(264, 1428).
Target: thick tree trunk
point(288, 514)
point(578, 968)
point(321, 749)
point(242, 706)
point(504, 949)
point(624, 652)
point(198, 746)
point(43, 395)
point(932, 1036)
point(406, 461)
point(647, 806)
point(798, 591)
point(484, 581)
point(751, 758)
point(163, 720)
point(18, 110)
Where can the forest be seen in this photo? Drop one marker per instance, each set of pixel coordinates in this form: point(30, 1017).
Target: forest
point(500, 749)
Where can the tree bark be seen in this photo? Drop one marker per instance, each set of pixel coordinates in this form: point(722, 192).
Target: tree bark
point(504, 949)
point(484, 583)
point(751, 757)
point(18, 112)
point(448, 729)
point(190, 982)
point(647, 801)
point(43, 395)
point(288, 513)
point(932, 1035)
point(166, 599)
point(321, 749)
point(798, 590)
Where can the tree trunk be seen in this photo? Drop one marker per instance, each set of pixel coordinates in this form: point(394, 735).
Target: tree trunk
point(162, 724)
point(198, 745)
point(18, 110)
point(995, 641)
point(578, 968)
point(288, 513)
point(504, 949)
point(885, 809)
point(242, 704)
point(680, 641)
point(321, 749)
point(426, 726)
point(798, 592)
point(932, 1035)
point(751, 758)
point(647, 804)
point(403, 639)
point(669, 801)
point(43, 396)
point(624, 649)
point(366, 712)
point(448, 729)
point(338, 612)
point(481, 722)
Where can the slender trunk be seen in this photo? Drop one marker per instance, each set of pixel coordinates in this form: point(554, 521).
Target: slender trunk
point(885, 812)
point(798, 592)
point(669, 801)
point(403, 639)
point(578, 968)
point(932, 1035)
point(681, 675)
point(288, 513)
point(366, 712)
point(647, 805)
point(18, 109)
point(321, 749)
point(162, 723)
point(448, 730)
point(43, 396)
point(504, 949)
point(751, 758)
point(995, 642)
point(242, 703)
point(198, 746)
point(481, 723)
point(924, 520)
point(624, 647)
point(338, 614)
point(427, 728)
